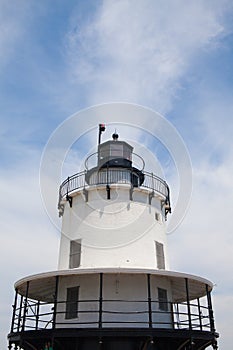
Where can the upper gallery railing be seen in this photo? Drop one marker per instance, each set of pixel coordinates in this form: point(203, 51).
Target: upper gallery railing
point(108, 176)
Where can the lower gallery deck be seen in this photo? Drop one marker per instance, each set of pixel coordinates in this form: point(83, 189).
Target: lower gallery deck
point(114, 339)
point(108, 310)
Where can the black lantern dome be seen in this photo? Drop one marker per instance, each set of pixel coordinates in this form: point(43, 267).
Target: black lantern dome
point(115, 160)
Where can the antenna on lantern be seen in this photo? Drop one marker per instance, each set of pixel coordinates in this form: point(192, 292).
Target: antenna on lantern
point(101, 129)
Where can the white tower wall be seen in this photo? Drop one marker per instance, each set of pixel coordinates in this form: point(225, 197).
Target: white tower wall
point(118, 232)
point(123, 294)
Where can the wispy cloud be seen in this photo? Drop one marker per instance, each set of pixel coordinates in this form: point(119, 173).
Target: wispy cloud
point(143, 53)
point(13, 26)
point(24, 229)
point(139, 51)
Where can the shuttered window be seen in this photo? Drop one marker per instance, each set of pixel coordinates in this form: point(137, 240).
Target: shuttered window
point(162, 299)
point(75, 254)
point(160, 255)
point(72, 302)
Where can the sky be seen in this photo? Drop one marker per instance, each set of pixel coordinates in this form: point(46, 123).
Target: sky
point(175, 57)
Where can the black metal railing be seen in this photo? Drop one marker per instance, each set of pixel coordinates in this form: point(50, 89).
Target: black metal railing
point(94, 159)
point(110, 176)
point(37, 315)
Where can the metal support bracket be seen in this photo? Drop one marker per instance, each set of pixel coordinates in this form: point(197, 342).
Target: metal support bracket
point(61, 208)
point(85, 193)
point(131, 193)
point(108, 192)
point(70, 200)
point(151, 195)
point(166, 206)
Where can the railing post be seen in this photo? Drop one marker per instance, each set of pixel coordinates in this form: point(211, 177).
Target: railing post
point(55, 302)
point(149, 300)
point(20, 312)
point(37, 314)
point(100, 300)
point(177, 315)
point(25, 306)
point(107, 175)
point(211, 314)
point(68, 184)
point(172, 314)
point(14, 311)
point(199, 312)
point(188, 303)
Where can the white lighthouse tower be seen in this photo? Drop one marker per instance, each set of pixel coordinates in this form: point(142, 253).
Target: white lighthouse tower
point(113, 288)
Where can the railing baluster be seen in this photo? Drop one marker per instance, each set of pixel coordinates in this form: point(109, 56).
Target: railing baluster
point(211, 314)
point(55, 302)
point(199, 312)
point(14, 310)
point(20, 312)
point(37, 314)
point(172, 314)
point(188, 303)
point(149, 301)
point(25, 306)
point(100, 300)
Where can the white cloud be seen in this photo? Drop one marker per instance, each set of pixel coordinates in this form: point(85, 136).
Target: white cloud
point(203, 243)
point(13, 24)
point(223, 318)
point(24, 230)
point(139, 51)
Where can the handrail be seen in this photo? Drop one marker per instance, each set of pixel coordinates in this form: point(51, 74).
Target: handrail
point(113, 312)
point(106, 176)
point(96, 154)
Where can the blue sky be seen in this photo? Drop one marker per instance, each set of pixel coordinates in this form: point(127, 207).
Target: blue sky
point(58, 57)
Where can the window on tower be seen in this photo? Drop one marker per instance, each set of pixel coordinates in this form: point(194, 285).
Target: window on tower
point(160, 255)
point(72, 302)
point(75, 254)
point(157, 217)
point(162, 299)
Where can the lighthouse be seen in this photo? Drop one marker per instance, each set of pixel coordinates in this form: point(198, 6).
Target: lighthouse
point(113, 288)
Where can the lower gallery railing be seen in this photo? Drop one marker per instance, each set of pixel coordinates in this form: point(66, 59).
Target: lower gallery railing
point(35, 315)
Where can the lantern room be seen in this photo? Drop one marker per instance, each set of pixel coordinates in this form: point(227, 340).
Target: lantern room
point(115, 153)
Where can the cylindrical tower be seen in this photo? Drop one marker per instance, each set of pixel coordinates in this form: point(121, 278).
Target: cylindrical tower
point(113, 287)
